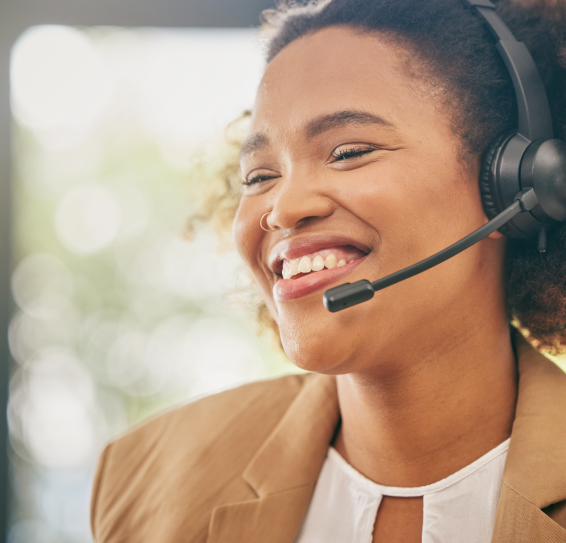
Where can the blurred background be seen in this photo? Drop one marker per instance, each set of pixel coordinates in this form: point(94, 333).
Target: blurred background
point(117, 136)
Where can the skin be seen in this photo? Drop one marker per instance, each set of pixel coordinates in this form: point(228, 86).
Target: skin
point(426, 371)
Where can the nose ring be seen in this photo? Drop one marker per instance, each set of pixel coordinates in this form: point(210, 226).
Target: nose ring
point(261, 223)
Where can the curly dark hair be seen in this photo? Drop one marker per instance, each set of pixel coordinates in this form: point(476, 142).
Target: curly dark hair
point(452, 50)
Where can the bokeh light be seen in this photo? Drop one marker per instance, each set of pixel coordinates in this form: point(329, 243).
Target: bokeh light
point(88, 218)
point(59, 82)
point(118, 135)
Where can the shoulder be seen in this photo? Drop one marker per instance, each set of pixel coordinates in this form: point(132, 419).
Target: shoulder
point(174, 468)
point(249, 409)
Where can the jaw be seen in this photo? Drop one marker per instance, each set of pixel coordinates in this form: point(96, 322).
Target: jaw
point(392, 333)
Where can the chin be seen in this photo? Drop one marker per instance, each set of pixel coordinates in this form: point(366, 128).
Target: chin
point(314, 364)
point(314, 349)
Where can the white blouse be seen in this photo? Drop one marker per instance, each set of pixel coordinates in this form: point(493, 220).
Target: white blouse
point(459, 508)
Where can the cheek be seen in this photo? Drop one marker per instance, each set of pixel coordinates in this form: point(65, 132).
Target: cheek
point(248, 238)
point(386, 197)
point(414, 196)
point(247, 233)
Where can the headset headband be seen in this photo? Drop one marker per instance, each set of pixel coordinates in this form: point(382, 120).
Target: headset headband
point(535, 121)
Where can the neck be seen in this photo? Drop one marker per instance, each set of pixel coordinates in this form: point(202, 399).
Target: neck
point(445, 409)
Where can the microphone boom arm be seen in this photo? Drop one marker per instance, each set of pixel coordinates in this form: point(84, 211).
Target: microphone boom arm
point(349, 294)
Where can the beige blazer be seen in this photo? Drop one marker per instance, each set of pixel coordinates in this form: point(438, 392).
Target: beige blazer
point(240, 467)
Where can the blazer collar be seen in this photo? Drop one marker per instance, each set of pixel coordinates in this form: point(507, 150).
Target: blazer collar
point(536, 461)
point(285, 469)
point(534, 476)
point(298, 445)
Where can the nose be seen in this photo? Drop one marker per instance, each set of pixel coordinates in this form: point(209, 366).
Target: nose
point(297, 202)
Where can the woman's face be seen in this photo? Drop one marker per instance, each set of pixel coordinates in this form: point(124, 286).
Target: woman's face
point(353, 158)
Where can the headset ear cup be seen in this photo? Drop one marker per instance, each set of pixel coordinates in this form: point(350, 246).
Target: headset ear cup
point(486, 177)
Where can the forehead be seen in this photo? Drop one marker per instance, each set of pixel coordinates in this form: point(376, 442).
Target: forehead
point(334, 69)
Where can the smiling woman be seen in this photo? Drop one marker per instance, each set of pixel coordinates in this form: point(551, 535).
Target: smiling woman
point(424, 418)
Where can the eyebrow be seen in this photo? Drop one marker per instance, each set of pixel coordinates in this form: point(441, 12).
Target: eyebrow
point(343, 118)
point(320, 125)
point(254, 143)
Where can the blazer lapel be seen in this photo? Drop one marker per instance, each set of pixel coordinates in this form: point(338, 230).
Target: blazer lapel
point(284, 471)
point(535, 475)
point(275, 518)
point(520, 521)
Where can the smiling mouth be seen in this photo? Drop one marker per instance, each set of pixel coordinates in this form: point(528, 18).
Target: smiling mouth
point(312, 272)
point(326, 259)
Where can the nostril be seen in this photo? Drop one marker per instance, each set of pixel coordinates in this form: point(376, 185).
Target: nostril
point(263, 222)
point(293, 210)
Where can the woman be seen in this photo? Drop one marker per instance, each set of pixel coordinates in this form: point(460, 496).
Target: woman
point(363, 157)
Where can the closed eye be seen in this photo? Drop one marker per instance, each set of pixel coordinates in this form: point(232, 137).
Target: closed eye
point(345, 152)
point(258, 177)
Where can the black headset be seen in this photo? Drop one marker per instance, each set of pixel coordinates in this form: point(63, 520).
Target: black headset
point(529, 157)
point(523, 173)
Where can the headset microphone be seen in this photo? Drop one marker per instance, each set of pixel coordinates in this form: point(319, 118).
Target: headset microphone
point(523, 173)
point(350, 294)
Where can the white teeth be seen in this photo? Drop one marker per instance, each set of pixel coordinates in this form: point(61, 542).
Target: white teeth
point(293, 268)
point(305, 265)
point(317, 263)
point(330, 261)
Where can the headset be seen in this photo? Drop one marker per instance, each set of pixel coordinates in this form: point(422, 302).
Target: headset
point(523, 173)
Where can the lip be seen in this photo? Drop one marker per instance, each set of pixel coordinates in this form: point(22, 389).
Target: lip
point(307, 244)
point(290, 289)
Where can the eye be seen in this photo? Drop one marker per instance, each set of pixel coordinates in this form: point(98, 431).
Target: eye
point(345, 152)
point(258, 177)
